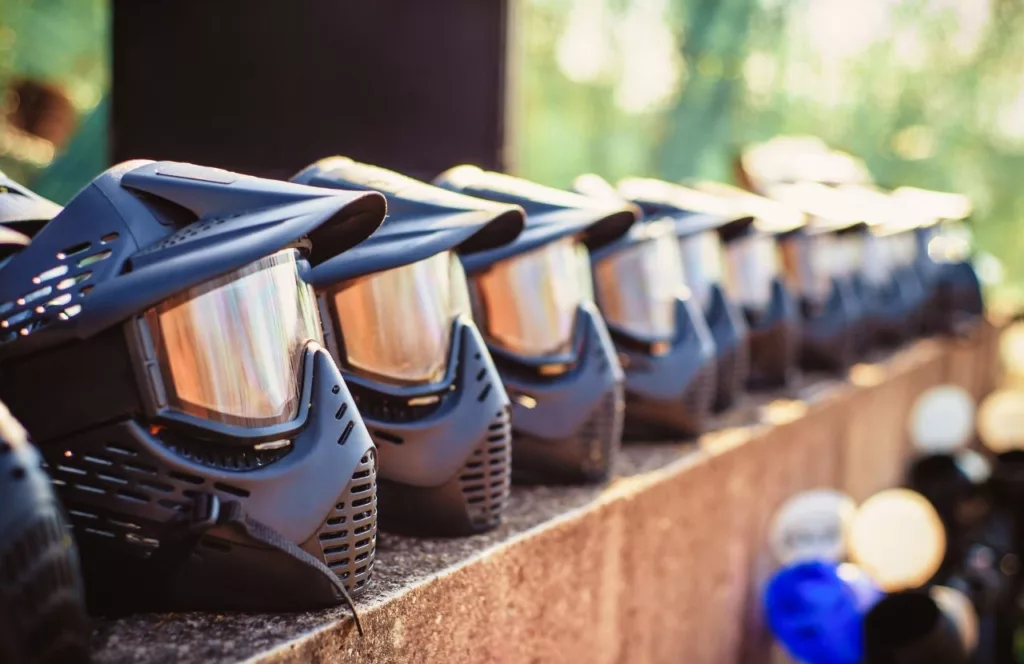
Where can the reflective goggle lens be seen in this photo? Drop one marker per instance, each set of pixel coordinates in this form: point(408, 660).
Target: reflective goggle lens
point(702, 263)
point(751, 264)
point(528, 303)
point(397, 324)
point(638, 286)
point(230, 350)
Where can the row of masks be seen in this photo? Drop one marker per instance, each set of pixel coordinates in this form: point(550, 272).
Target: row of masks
point(221, 371)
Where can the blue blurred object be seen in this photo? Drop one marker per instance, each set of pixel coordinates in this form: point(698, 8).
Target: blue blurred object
point(816, 610)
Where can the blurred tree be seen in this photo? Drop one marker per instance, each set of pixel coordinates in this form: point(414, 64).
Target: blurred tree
point(928, 92)
point(54, 78)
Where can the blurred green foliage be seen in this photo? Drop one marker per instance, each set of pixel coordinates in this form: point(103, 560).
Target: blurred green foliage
point(928, 92)
point(61, 48)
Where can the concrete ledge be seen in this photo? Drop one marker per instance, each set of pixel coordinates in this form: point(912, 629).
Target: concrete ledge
point(661, 565)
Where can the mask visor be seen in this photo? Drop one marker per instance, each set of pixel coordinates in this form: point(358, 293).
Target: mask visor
point(751, 265)
point(528, 303)
point(637, 288)
point(396, 325)
point(230, 350)
point(702, 264)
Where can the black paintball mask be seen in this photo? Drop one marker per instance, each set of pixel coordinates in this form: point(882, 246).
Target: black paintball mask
point(534, 301)
point(665, 346)
point(161, 343)
point(696, 218)
point(42, 599)
point(399, 322)
point(943, 262)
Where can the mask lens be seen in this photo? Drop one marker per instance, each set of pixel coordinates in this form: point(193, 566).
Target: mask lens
point(230, 350)
point(528, 303)
point(751, 266)
point(637, 288)
point(397, 324)
point(702, 263)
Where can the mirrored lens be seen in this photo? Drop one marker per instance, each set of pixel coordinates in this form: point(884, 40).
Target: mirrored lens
point(397, 324)
point(751, 264)
point(637, 288)
point(876, 267)
point(231, 349)
point(528, 303)
point(810, 263)
point(702, 264)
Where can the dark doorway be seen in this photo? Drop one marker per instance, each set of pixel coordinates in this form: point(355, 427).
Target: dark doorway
point(266, 87)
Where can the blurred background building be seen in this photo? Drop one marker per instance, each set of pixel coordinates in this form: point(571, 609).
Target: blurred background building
point(929, 92)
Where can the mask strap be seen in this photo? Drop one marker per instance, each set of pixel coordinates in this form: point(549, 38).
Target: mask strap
point(209, 511)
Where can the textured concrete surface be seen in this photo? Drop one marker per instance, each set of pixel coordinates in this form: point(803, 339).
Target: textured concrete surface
point(663, 564)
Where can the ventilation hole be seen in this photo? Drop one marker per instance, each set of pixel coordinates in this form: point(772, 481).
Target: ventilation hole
point(474, 500)
point(156, 486)
point(496, 439)
point(343, 438)
point(95, 258)
point(52, 273)
point(99, 461)
point(336, 389)
point(112, 479)
point(71, 312)
point(473, 465)
point(83, 515)
point(361, 474)
point(362, 530)
point(65, 284)
point(215, 545)
point(331, 550)
point(363, 543)
point(365, 459)
point(388, 437)
point(500, 426)
point(360, 558)
point(139, 468)
point(89, 488)
point(120, 450)
point(109, 237)
point(73, 250)
point(233, 490)
point(132, 496)
point(17, 318)
point(476, 356)
point(97, 531)
point(18, 473)
point(85, 290)
point(37, 294)
point(362, 501)
point(339, 506)
point(484, 393)
point(147, 542)
point(336, 521)
point(185, 477)
point(71, 470)
point(56, 481)
point(471, 477)
point(339, 563)
point(127, 525)
point(326, 537)
point(362, 488)
point(341, 411)
point(480, 374)
point(361, 516)
point(60, 300)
